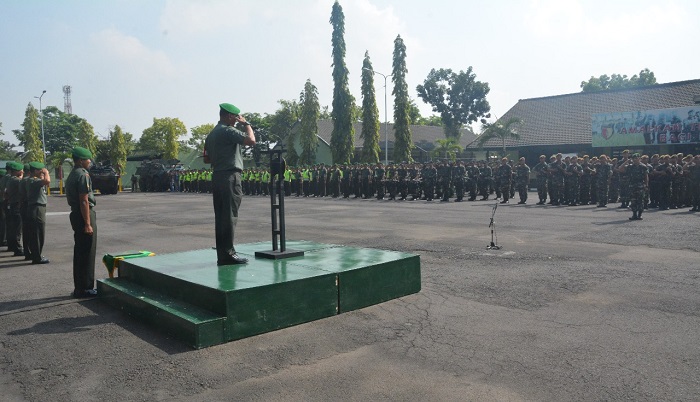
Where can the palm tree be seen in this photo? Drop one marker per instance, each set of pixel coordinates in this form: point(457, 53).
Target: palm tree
point(448, 147)
point(499, 129)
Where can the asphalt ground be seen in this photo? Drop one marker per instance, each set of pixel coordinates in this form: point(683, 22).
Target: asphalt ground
point(580, 304)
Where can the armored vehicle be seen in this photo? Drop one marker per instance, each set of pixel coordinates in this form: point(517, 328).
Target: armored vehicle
point(105, 179)
point(154, 175)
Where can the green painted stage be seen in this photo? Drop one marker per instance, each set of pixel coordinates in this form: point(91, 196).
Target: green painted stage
point(188, 296)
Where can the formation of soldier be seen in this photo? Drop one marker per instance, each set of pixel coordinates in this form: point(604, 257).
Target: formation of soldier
point(673, 181)
point(23, 213)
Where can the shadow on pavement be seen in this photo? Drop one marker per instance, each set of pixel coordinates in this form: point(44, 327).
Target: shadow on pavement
point(166, 343)
point(23, 304)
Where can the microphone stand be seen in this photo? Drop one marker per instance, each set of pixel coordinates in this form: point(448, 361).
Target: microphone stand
point(492, 225)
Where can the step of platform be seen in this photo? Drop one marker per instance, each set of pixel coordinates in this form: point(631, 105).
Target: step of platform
point(196, 326)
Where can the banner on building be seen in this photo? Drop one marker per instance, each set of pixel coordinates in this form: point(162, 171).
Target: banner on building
point(647, 127)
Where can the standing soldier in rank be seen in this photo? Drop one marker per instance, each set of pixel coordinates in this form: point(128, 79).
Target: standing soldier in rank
point(24, 208)
point(14, 216)
point(541, 175)
point(3, 207)
point(504, 175)
point(585, 181)
point(638, 179)
point(83, 220)
point(379, 178)
point(459, 176)
point(36, 211)
point(522, 179)
point(603, 174)
point(472, 179)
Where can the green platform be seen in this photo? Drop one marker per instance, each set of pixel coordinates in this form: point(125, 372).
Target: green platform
point(189, 297)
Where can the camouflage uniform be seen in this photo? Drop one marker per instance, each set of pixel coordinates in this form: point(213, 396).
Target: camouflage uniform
point(541, 175)
point(522, 180)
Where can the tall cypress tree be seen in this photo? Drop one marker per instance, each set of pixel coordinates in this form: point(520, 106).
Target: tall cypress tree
point(117, 147)
point(403, 144)
point(308, 127)
point(370, 115)
point(30, 135)
point(343, 135)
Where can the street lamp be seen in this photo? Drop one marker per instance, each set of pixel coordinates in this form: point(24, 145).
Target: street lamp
point(41, 112)
point(386, 117)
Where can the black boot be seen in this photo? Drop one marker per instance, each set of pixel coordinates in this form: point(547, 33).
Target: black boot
point(634, 216)
point(639, 215)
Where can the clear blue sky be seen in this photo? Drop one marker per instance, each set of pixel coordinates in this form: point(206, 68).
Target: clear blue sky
point(129, 61)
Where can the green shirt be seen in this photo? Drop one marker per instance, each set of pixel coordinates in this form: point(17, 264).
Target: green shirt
point(36, 191)
point(224, 146)
point(77, 183)
point(12, 189)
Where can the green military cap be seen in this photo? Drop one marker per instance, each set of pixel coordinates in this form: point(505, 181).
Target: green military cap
point(36, 165)
point(26, 167)
point(636, 155)
point(230, 108)
point(3, 172)
point(81, 153)
point(15, 166)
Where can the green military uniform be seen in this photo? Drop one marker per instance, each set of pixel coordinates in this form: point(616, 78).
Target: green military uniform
point(3, 207)
point(638, 182)
point(78, 183)
point(23, 208)
point(224, 145)
point(36, 215)
point(14, 216)
point(522, 181)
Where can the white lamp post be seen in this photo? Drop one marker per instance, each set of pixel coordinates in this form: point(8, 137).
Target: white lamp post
point(386, 117)
point(41, 112)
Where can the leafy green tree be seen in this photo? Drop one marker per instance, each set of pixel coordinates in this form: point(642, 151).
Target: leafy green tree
point(103, 150)
point(61, 130)
point(403, 143)
point(198, 135)
point(370, 115)
point(325, 113)
point(458, 97)
point(30, 135)
point(282, 124)
point(433, 120)
point(617, 81)
point(58, 158)
point(500, 129)
point(86, 137)
point(343, 135)
point(447, 147)
point(6, 148)
point(308, 127)
point(117, 154)
point(162, 137)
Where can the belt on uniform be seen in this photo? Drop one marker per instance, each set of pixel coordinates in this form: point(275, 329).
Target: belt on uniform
point(38, 205)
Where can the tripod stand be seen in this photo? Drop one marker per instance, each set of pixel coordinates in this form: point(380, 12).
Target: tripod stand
point(492, 225)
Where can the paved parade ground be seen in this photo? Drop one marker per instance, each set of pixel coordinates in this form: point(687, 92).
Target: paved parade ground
point(579, 304)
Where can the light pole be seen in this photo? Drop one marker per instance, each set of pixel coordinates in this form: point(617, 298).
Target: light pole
point(386, 117)
point(41, 112)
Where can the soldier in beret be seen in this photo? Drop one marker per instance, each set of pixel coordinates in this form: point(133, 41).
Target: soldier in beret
point(638, 182)
point(14, 216)
point(83, 220)
point(3, 206)
point(23, 208)
point(224, 150)
point(36, 210)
